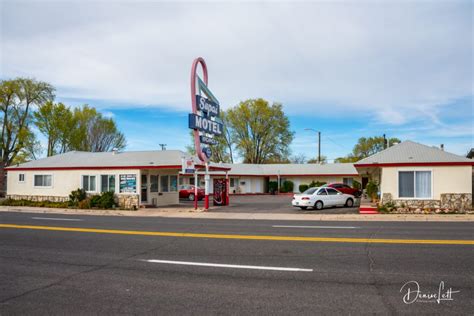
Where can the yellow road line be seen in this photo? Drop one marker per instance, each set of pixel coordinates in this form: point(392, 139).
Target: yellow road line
point(244, 237)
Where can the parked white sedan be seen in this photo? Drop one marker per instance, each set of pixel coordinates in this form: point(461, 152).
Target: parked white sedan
point(317, 198)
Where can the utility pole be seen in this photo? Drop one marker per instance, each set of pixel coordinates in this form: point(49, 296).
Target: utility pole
point(319, 147)
point(163, 146)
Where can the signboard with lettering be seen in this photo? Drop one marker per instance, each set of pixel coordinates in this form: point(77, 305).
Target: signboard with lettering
point(206, 111)
point(128, 183)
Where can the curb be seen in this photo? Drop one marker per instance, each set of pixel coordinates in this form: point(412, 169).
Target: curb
point(201, 214)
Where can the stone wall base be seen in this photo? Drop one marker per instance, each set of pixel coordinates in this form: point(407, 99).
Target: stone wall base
point(449, 203)
point(129, 201)
point(38, 198)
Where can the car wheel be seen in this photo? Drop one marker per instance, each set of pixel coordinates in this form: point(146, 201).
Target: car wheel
point(349, 202)
point(303, 207)
point(318, 205)
point(191, 197)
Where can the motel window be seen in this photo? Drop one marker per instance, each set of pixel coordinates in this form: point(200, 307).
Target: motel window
point(173, 183)
point(43, 180)
point(191, 181)
point(154, 183)
point(21, 177)
point(414, 184)
point(128, 183)
point(88, 183)
point(231, 182)
point(181, 180)
point(107, 183)
point(164, 184)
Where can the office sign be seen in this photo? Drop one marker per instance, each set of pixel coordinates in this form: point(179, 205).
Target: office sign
point(208, 140)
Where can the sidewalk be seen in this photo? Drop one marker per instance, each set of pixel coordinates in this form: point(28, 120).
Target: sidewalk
point(191, 213)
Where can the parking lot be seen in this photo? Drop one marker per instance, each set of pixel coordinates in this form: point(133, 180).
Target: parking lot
point(272, 204)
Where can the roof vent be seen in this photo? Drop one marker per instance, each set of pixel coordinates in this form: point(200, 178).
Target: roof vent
point(441, 147)
point(114, 151)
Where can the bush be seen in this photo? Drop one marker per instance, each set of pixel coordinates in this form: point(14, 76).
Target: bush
point(303, 187)
point(372, 190)
point(356, 185)
point(11, 202)
point(77, 196)
point(287, 186)
point(95, 201)
point(388, 207)
point(107, 200)
point(84, 204)
point(272, 186)
point(316, 184)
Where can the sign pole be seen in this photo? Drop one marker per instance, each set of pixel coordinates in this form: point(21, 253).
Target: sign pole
point(195, 189)
point(206, 179)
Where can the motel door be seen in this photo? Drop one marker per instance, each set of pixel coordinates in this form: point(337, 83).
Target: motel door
point(144, 188)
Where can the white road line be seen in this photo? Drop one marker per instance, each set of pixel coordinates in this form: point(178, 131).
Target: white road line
point(58, 219)
point(235, 266)
point(330, 227)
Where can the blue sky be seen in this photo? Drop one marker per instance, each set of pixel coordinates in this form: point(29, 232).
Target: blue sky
point(349, 69)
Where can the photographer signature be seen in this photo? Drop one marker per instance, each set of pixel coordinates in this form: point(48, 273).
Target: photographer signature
point(413, 293)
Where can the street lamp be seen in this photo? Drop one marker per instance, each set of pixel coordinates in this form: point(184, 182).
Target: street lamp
point(319, 142)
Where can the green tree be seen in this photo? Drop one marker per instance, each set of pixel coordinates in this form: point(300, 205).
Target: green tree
point(17, 97)
point(93, 132)
point(55, 121)
point(324, 160)
point(260, 131)
point(367, 146)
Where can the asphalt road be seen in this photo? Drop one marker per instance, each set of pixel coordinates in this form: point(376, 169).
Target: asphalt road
point(83, 272)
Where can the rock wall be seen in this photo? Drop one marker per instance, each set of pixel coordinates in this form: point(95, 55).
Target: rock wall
point(449, 203)
point(128, 201)
point(38, 198)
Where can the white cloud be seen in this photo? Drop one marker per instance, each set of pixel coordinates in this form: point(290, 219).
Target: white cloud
point(396, 60)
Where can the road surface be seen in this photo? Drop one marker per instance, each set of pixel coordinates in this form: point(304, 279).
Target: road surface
point(60, 264)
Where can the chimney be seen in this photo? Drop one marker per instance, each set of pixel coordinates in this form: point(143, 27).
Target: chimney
point(441, 147)
point(114, 151)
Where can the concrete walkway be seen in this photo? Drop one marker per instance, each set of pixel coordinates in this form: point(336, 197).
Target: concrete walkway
point(213, 214)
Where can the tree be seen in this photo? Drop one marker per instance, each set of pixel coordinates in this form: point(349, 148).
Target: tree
point(17, 97)
point(92, 132)
point(260, 132)
point(298, 159)
point(366, 147)
point(324, 160)
point(55, 122)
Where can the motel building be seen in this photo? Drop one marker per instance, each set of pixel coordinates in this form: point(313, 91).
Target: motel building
point(408, 173)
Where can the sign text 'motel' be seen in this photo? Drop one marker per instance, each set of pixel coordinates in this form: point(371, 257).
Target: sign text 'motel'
point(205, 124)
point(207, 106)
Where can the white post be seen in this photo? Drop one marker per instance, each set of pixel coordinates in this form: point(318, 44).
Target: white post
point(207, 181)
point(195, 189)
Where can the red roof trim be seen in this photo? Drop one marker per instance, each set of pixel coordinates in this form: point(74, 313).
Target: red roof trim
point(289, 175)
point(415, 164)
point(109, 168)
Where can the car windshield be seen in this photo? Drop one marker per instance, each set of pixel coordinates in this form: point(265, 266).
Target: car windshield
point(310, 191)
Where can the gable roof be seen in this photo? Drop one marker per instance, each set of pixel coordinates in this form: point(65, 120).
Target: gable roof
point(412, 153)
point(170, 159)
point(292, 169)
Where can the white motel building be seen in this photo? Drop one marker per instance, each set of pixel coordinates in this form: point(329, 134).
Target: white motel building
point(408, 172)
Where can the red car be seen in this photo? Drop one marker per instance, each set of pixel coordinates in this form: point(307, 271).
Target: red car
point(187, 192)
point(344, 188)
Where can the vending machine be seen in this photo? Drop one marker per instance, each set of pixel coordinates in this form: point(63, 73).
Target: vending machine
point(220, 192)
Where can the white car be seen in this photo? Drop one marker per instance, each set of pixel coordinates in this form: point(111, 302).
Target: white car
point(317, 198)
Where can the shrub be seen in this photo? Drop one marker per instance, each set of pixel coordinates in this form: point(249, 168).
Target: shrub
point(356, 185)
point(272, 186)
point(85, 204)
point(303, 187)
point(107, 200)
point(315, 184)
point(287, 186)
point(11, 202)
point(386, 208)
point(77, 196)
point(372, 190)
point(95, 201)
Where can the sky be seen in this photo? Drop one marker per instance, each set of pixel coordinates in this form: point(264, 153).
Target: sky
point(349, 69)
